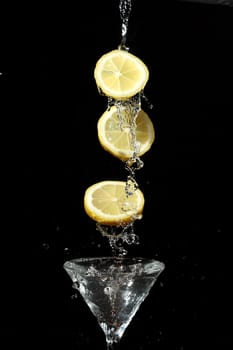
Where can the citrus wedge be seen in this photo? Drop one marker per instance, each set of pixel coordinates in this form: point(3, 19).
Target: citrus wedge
point(106, 203)
point(116, 137)
point(120, 74)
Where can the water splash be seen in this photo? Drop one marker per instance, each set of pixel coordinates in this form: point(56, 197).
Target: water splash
point(118, 236)
point(127, 112)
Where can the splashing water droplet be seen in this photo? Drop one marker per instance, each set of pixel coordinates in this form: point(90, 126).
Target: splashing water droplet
point(124, 29)
point(127, 112)
point(127, 207)
point(131, 186)
point(74, 296)
point(119, 235)
point(145, 98)
point(66, 250)
point(75, 285)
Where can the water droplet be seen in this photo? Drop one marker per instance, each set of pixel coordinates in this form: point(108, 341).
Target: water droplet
point(149, 104)
point(131, 186)
point(66, 250)
point(132, 239)
point(126, 206)
point(124, 29)
point(75, 285)
point(130, 283)
point(139, 216)
point(100, 91)
point(74, 296)
point(45, 246)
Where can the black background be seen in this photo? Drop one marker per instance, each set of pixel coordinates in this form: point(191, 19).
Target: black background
point(186, 177)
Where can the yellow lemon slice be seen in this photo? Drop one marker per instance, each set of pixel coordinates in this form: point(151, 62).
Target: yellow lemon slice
point(106, 203)
point(116, 137)
point(120, 74)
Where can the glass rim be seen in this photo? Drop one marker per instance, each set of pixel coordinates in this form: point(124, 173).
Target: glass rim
point(133, 259)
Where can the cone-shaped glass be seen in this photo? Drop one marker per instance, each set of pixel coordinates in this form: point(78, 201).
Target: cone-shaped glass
point(113, 288)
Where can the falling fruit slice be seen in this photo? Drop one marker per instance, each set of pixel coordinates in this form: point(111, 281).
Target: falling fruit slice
point(119, 136)
point(120, 74)
point(106, 202)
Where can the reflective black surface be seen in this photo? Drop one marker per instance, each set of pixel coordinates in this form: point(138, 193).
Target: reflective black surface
point(186, 178)
point(213, 2)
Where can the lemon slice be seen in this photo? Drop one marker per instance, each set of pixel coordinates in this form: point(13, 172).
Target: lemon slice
point(116, 137)
point(120, 74)
point(106, 203)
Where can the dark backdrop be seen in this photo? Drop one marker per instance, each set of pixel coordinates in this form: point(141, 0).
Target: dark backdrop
point(186, 177)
